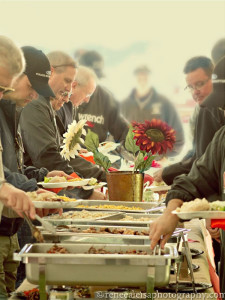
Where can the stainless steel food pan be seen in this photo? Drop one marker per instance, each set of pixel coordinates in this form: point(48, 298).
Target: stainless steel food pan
point(65, 235)
point(145, 206)
point(78, 267)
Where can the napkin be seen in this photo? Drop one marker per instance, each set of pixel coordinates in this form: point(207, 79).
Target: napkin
point(218, 223)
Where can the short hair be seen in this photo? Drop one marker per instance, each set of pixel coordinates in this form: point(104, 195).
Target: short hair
point(218, 50)
point(197, 62)
point(61, 60)
point(84, 75)
point(11, 57)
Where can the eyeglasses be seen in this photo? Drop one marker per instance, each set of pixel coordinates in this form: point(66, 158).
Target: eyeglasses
point(5, 90)
point(197, 86)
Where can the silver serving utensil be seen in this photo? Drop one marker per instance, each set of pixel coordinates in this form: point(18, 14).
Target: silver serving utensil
point(47, 225)
point(189, 259)
point(34, 230)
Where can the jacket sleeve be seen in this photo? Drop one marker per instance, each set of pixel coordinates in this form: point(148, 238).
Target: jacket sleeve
point(204, 177)
point(173, 119)
point(214, 118)
point(40, 139)
point(20, 181)
point(38, 174)
point(171, 172)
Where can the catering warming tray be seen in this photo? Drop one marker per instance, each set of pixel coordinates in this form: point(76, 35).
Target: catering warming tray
point(67, 235)
point(78, 267)
point(112, 218)
point(141, 207)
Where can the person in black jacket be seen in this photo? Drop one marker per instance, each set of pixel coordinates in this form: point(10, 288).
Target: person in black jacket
point(102, 111)
point(198, 71)
point(205, 179)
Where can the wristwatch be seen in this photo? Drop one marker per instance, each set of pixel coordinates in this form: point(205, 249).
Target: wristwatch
point(1, 182)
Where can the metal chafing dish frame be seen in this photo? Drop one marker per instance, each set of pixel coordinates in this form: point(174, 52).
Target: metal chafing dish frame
point(97, 269)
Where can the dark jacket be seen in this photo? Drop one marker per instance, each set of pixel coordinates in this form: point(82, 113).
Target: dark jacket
point(156, 107)
point(209, 121)
point(104, 113)
point(13, 164)
point(206, 179)
point(42, 143)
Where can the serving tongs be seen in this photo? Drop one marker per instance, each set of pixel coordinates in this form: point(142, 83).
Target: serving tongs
point(187, 253)
point(34, 230)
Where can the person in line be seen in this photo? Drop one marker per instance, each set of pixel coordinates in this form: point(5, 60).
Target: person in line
point(42, 140)
point(145, 103)
point(102, 111)
point(198, 72)
point(12, 64)
point(205, 180)
point(82, 90)
point(32, 81)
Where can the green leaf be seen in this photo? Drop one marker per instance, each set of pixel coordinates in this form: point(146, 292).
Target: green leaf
point(138, 161)
point(91, 141)
point(75, 140)
point(102, 160)
point(130, 143)
point(144, 165)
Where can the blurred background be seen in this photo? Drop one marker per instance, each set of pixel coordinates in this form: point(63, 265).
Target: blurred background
point(161, 34)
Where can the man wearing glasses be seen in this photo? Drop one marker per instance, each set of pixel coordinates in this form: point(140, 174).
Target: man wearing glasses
point(198, 71)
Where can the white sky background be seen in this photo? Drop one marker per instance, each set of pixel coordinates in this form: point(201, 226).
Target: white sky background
point(163, 34)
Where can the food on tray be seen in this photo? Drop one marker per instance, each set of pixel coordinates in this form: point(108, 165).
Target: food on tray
point(142, 219)
point(57, 249)
point(75, 179)
point(195, 205)
point(93, 181)
point(108, 206)
point(93, 250)
point(106, 230)
point(55, 179)
point(161, 183)
point(32, 294)
point(48, 196)
point(84, 214)
point(217, 205)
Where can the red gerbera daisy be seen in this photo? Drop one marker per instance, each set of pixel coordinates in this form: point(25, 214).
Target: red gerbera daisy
point(155, 136)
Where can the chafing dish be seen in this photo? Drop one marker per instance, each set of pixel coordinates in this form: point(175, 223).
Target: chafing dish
point(78, 267)
point(142, 207)
point(116, 219)
point(66, 235)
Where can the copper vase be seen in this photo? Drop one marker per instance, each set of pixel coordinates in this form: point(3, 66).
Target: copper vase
point(125, 186)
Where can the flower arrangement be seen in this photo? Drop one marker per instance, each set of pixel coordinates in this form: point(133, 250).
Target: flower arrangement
point(143, 140)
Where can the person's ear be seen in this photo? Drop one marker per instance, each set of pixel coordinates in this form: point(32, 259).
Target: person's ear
point(74, 84)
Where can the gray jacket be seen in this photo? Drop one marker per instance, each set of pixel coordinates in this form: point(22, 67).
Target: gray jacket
point(156, 106)
point(42, 143)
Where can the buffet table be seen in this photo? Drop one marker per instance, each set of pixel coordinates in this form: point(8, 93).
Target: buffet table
point(196, 241)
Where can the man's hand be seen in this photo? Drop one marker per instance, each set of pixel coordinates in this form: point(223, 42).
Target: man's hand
point(165, 225)
point(17, 200)
point(158, 175)
point(97, 196)
point(59, 173)
point(214, 232)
